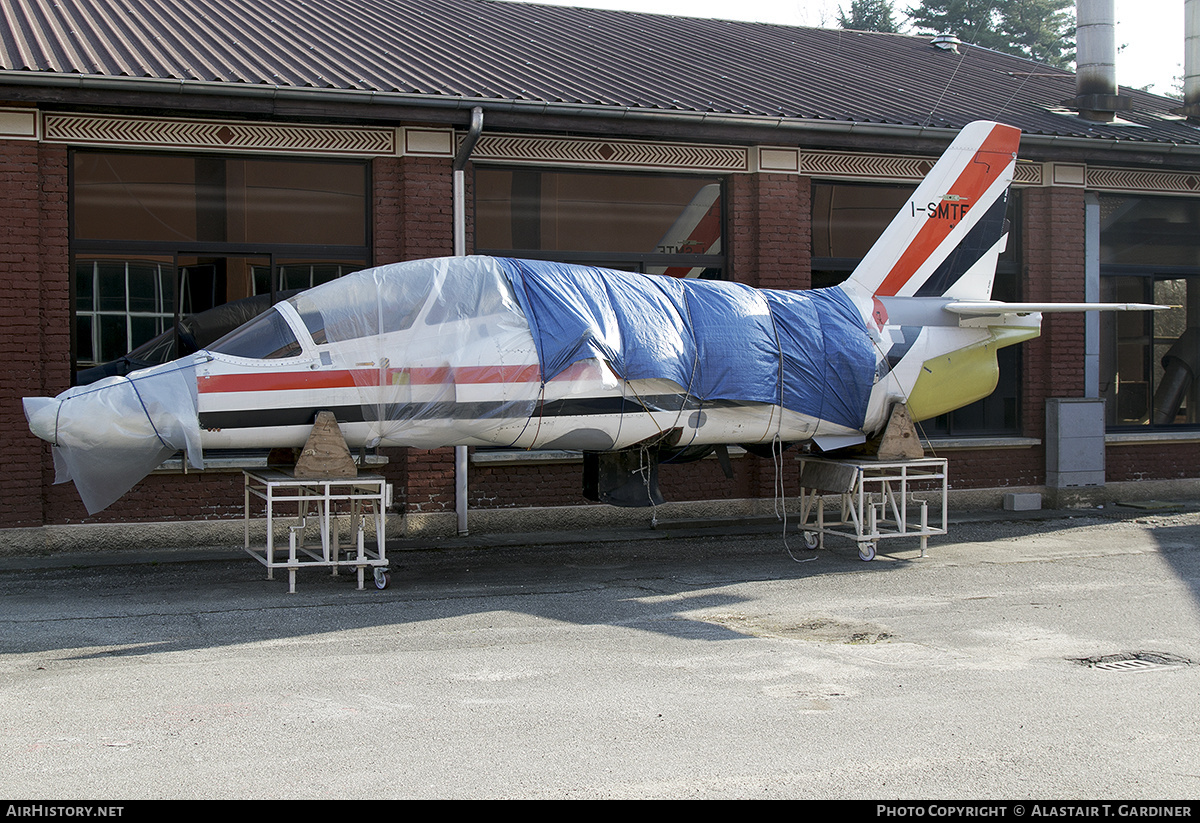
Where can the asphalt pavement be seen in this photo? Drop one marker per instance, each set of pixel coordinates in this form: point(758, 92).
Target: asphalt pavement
point(1027, 655)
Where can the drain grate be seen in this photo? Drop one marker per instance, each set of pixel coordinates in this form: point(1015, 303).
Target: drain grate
point(1128, 665)
point(1134, 661)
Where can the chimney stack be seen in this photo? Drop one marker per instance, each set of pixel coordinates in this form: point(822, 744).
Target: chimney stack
point(1096, 96)
point(1191, 55)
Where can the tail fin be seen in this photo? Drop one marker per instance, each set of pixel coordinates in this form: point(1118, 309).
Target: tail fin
point(946, 239)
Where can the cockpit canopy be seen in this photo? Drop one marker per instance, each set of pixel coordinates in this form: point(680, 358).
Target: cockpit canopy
point(267, 337)
point(377, 302)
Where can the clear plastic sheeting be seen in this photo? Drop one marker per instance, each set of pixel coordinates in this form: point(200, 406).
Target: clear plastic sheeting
point(808, 352)
point(109, 435)
point(430, 342)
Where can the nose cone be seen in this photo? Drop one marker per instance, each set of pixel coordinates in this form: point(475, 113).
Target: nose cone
point(109, 414)
point(42, 414)
point(110, 434)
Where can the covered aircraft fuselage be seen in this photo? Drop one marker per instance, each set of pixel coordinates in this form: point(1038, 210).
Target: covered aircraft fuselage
point(485, 352)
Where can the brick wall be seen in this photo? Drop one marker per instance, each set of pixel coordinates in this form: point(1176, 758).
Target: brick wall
point(770, 247)
point(1053, 271)
point(423, 207)
point(532, 484)
point(995, 468)
point(20, 330)
point(1151, 461)
point(387, 210)
point(159, 497)
point(770, 230)
point(561, 484)
point(34, 316)
point(427, 191)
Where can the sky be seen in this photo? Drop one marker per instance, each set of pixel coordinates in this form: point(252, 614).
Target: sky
point(1149, 32)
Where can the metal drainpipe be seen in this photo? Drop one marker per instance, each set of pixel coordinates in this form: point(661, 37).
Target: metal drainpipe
point(460, 250)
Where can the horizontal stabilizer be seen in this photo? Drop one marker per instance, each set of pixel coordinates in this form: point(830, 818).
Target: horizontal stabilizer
point(984, 308)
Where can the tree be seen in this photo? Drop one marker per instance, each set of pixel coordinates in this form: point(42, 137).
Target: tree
point(1042, 30)
point(972, 21)
point(869, 15)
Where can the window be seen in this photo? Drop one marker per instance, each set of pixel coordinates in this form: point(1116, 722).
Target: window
point(172, 199)
point(659, 224)
point(158, 236)
point(1150, 253)
point(120, 304)
point(847, 220)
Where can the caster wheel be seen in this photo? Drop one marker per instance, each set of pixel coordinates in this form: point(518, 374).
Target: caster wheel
point(811, 540)
point(866, 551)
point(382, 578)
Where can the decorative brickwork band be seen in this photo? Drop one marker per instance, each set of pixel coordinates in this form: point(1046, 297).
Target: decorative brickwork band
point(880, 167)
point(148, 132)
point(171, 133)
point(611, 154)
point(863, 166)
point(1137, 180)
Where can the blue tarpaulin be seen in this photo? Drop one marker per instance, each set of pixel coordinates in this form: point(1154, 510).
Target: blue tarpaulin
point(807, 351)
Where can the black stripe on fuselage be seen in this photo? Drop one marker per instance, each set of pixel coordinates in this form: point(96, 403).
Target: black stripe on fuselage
point(908, 336)
point(567, 407)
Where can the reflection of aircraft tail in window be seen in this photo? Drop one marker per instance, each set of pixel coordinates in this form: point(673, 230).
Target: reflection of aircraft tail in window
point(1180, 366)
point(697, 231)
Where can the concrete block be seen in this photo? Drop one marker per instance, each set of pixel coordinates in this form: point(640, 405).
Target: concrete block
point(1029, 502)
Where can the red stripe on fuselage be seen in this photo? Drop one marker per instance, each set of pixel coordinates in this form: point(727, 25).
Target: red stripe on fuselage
point(353, 378)
point(971, 184)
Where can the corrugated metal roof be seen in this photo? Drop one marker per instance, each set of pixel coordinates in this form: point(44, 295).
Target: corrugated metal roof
point(486, 50)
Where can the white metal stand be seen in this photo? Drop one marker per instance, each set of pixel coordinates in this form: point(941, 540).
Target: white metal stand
point(361, 498)
point(877, 500)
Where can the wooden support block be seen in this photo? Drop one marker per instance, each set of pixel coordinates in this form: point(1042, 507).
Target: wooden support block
point(325, 454)
point(900, 440)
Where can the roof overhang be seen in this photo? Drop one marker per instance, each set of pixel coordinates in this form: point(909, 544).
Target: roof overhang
point(194, 97)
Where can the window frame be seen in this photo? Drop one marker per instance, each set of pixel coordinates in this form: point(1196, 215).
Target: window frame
point(624, 261)
point(349, 257)
point(1175, 267)
point(1148, 276)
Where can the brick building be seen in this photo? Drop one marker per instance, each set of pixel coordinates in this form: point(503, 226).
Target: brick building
point(157, 162)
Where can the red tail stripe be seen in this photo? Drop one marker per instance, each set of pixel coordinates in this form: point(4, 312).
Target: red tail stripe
point(970, 185)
